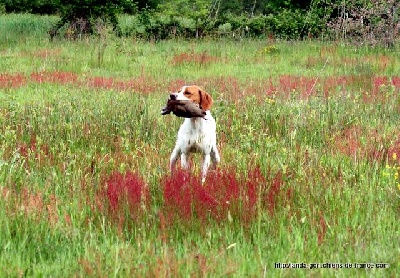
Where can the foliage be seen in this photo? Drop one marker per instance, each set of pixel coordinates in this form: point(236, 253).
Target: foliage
point(376, 23)
point(200, 18)
point(197, 11)
point(35, 6)
point(361, 21)
point(23, 26)
point(84, 17)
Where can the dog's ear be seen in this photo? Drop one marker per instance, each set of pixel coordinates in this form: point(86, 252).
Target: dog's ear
point(206, 100)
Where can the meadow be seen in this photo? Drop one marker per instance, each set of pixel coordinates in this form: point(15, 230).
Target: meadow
point(310, 157)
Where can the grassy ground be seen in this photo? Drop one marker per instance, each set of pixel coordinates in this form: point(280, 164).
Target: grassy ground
point(309, 140)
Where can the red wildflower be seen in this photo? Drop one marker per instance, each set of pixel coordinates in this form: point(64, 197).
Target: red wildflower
point(126, 194)
point(274, 192)
point(58, 77)
point(201, 59)
point(321, 229)
point(396, 82)
point(178, 195)
point(379, 81)
point(8, 80)
point(224, 196)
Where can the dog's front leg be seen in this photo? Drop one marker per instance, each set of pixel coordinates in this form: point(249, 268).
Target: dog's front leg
point(185, 161)
point(173, 159)
point(204, 166)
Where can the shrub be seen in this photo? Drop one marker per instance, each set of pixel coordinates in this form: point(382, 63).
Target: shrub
point(83, 16)
point(375, 24)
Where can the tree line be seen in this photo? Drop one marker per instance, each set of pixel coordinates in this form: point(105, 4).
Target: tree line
point(162, 19)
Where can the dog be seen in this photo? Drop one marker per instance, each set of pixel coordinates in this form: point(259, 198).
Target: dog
point(196, 134)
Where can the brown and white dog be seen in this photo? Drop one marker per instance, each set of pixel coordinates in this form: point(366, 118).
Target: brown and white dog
point(196, 134)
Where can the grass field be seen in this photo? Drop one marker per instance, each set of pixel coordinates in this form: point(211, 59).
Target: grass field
point(310, 157)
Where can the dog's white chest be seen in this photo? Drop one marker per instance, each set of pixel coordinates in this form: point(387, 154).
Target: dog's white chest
point(196, 135)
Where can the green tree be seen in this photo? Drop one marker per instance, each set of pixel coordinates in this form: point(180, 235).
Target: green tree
point(82, 15)
point(198, 10)
point(147, 4)
point(31, 6)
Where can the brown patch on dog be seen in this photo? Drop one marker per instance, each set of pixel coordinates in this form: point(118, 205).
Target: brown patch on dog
point(199, 96)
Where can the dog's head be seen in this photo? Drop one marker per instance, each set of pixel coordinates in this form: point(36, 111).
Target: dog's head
point(195, 94)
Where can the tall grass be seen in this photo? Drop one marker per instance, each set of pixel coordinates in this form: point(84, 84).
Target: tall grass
point(17, 30)
point(308, 137)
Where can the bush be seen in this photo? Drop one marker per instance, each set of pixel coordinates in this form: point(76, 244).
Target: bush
point(83, 17)
point(26, 6)
point(2, 8)
point(373, 24)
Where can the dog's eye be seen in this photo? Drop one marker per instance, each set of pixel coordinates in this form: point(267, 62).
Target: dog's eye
point(186, 93)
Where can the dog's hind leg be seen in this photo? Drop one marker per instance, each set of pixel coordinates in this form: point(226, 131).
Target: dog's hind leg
point(215, 158)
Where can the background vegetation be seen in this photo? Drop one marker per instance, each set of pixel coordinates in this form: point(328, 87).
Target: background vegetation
point(371, 22)
point(307, 130)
